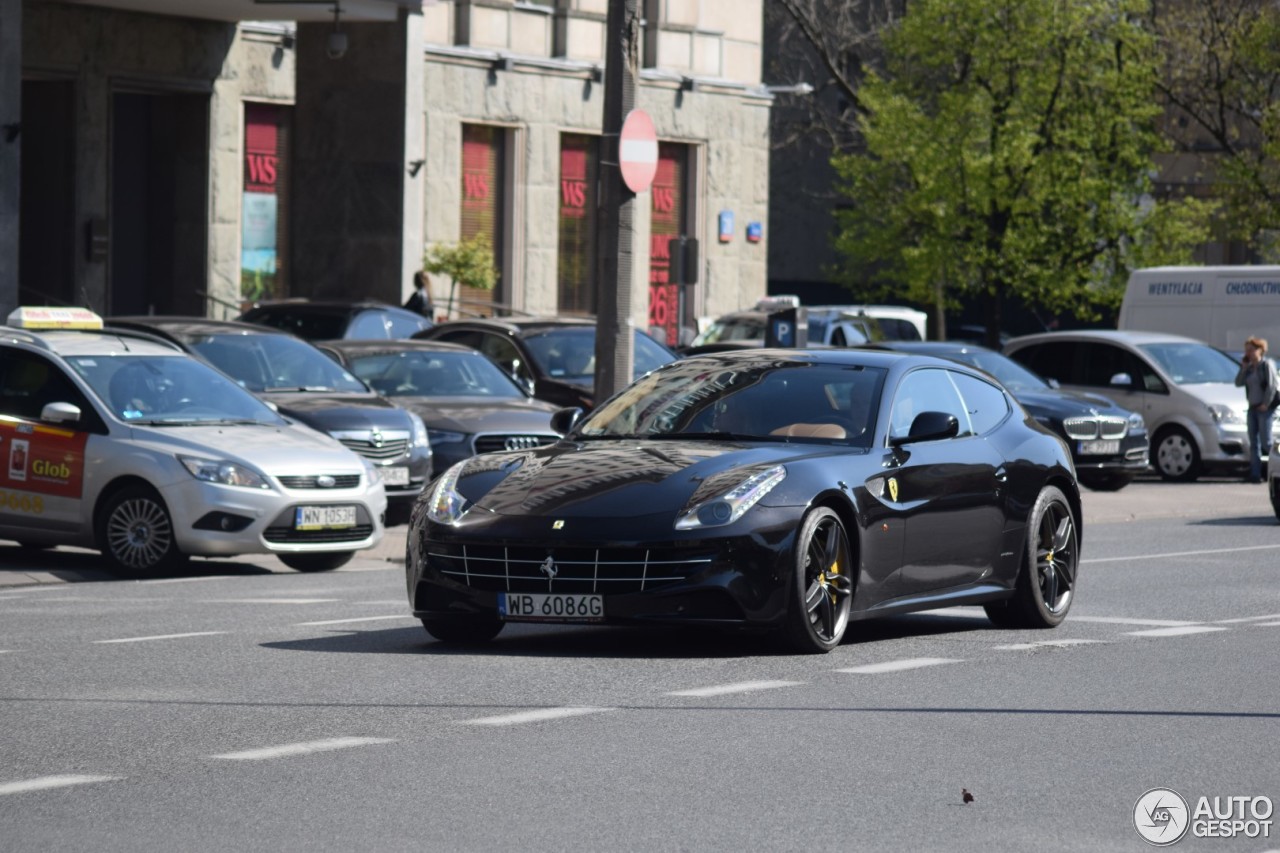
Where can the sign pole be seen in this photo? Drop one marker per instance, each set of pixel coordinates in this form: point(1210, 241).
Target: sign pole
point(615, 345)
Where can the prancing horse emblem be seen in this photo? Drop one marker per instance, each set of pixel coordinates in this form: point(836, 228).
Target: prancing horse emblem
point(549, 569)
point(893, 489)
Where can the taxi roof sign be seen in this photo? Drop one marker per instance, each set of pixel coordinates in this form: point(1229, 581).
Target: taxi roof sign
point(54, 317)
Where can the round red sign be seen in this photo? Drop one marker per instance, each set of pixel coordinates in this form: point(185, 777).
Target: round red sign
point(638, 151)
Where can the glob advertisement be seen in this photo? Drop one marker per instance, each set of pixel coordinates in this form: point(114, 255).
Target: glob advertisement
point(37, 460)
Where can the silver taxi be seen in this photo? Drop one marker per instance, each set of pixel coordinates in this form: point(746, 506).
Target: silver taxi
point(120, 441)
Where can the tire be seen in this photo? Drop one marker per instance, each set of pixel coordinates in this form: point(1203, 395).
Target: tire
point(135, 532)
point(1105, 482)
point(1275, 499)
point(466, 631)
point(324, 561)
point(1046, 582)
point(1175, 456)
point(821, 585)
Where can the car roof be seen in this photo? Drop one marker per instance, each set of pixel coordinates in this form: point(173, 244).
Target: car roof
point(514, 324)
point(931, 347)
point(71, 342)
point(1135, 338)
point(193, 326)
point(835, 355)
point(319, 306)
point(349, 347)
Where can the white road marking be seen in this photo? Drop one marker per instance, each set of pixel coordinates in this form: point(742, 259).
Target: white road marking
point(1267, 625)
point(1176, 632)
point(163, 637)
point(1022, 647)
point(268, 600)
point(306, 748)
point(897, 665)
point(1125, 620)
point(1180, 554)
point(533, 716)
point(740, 687)
point(46, 782)
point(360, 619)
point(5, 651)
point(201, 579)
point(1246, 619)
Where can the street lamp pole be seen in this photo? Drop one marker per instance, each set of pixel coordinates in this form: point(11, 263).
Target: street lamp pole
point(615, 344)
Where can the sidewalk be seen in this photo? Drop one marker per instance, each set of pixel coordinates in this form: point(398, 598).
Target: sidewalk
point(1143, 500)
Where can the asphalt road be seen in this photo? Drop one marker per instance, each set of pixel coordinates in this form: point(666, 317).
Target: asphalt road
point(245, 707)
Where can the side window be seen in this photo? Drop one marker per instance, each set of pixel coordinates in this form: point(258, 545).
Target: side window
point(401, 324)
point(927, 390)
point(29, 382)
point(368, 325)
point(508, 357)
point(1054, 360)
point(1103, 361)
point(986, 404)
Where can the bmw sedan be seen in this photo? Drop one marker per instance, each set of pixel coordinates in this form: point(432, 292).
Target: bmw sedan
point(792, 490)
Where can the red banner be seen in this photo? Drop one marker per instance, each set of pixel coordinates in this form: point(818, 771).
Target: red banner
point(40, 458)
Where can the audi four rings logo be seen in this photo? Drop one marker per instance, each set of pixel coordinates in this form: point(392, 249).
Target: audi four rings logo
point(521, 442)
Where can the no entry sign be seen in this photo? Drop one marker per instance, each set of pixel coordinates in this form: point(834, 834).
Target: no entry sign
point(638, 151)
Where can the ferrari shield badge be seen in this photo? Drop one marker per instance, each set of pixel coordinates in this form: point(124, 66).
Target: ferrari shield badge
point(893, 489)
point(558, 524)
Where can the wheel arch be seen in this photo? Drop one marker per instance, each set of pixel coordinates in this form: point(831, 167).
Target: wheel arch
point(110, 490)
point(1072, 494)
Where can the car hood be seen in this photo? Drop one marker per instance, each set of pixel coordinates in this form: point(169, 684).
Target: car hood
point(279, 450)
point(1065, 404)
point(618, 479)
point(1219, 393)
point(331, 412)
point(472, 415)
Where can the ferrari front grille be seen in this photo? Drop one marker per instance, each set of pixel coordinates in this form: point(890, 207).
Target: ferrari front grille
point(611, 571)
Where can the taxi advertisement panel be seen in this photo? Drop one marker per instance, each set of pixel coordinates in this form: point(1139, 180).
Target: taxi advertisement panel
point(39, 458)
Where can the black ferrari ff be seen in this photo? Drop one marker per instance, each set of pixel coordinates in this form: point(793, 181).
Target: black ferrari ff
point(793, 490)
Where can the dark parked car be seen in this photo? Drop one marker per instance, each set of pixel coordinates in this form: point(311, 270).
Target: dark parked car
point(327, 320)
point(794, 490)
point(308, 386)
point(469, 404)
point(1108, 443)
point(554, 356)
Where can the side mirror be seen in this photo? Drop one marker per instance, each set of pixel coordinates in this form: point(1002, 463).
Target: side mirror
point(928, 426)
point(1122, 380)
point(60, 413)
point(1053, 383)
point(564, 420)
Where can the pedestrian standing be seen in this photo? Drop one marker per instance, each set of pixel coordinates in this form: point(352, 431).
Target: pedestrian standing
point(420, 299)
point(1257, 375)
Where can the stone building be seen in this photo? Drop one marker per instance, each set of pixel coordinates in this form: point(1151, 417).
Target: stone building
point(182, 157)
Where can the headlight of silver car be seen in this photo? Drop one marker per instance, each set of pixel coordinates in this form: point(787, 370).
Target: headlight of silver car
point(729, 506)
point(1226, 417)
point(446, 505)
point(224, 471)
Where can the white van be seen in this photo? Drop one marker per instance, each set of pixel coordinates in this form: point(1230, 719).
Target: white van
point(1219, 305)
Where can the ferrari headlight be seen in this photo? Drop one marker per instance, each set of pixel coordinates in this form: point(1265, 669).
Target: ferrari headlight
point(224, 472)
point(446, 505)
point(729, 506)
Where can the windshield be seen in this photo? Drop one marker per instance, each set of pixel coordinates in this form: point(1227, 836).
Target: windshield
point(424, 373)
point(766, 399)
point(1192, 362)
point(1012, 375)
point(275, 363)
point(735, 329)
point(569, 354)
point(169, 390)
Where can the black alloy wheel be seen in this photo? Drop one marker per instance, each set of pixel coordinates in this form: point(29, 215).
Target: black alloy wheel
point(822, 584)
point(135, 532)
point(1046, 584)
point(324, 561)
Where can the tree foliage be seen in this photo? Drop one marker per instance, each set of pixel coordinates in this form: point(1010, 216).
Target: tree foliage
point(468, 262)
point(1008, 148)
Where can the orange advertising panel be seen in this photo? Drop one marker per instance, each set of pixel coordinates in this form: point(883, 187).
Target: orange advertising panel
point(40, 458)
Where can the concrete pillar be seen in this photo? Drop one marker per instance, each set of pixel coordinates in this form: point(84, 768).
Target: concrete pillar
point(357, 213)
point(10, 159)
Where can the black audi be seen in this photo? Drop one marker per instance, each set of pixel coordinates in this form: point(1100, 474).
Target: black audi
point(793, 490)
point(1108, 443)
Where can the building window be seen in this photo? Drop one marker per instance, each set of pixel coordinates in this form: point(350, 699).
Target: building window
point(264, 218)
point(669, 218)
point(576, 272)
point(484, 194)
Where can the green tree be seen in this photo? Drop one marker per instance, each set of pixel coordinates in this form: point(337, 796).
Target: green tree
point(1009, 156)
point(469, 262)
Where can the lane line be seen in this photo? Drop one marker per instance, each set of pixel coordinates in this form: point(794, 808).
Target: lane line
point(740, 687)
point(44, 783)
point(200, 579)
point(1176, 632)
point(533, 716)
point(1246, 619)
point(897, 665)
point(163, 637)
point(360, 619)
point(1181, 554)
point(1022, 647)
point(1267, 625)
point(1125, 620)
point(306, 748)
point(268, 601)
